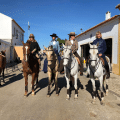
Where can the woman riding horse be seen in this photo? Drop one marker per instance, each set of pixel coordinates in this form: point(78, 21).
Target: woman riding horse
point(74, 48)
point(34, 49)
point(101, 50)
point(56, 48)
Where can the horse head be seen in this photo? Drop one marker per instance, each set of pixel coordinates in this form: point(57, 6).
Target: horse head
point(66, 54)
point(50, 54)
point(93, 54)
point(26, 50)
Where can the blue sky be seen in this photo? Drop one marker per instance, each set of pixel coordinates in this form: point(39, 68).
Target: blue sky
point(57, 16)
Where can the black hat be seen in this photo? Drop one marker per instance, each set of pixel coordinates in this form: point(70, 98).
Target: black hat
point(54, 35)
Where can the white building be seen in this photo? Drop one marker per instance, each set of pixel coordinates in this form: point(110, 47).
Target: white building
point(11, 34)
point(110, 29)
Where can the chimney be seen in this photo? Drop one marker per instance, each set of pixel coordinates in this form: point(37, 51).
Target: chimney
point(107, 15)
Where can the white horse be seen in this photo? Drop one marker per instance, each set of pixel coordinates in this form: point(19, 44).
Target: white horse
point(96, 70)
point(71, 69)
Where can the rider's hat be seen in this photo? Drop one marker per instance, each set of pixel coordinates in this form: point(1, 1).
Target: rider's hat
point(72, 34)
point(31, 36)
point(54, 35)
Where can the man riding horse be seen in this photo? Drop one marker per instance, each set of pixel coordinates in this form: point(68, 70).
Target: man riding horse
point(34, 48)
point(101, 50)
point(74, 48)
point(55, 44)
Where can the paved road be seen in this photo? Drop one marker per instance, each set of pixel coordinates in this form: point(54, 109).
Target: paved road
point(14, 106)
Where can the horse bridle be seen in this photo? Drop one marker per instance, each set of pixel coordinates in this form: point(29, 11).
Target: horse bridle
point(68, 59)
point(70, 53)
point(96, 63)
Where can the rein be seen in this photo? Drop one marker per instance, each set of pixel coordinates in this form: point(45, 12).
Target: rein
point(68, 59)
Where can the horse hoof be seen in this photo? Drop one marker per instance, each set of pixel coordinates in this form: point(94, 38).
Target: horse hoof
point(67, 98)
point(33, 94)
point(48, 96)
point(102, 103)
point(57, 94)
point(76, 98)
point(25, 95)
point(0, 85)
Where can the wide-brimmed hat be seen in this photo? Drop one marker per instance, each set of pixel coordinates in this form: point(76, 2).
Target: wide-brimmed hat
point(31, 36)
point(72, 34)
point(54, 35)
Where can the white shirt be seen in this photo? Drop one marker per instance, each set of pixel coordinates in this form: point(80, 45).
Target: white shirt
point(72, 41)
point(54, 42)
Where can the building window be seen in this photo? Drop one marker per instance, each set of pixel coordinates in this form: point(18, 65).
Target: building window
point(14, 31)
point(90, 35)
point(16, 34)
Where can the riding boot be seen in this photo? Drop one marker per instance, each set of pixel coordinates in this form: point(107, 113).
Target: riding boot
point(81, 67)
point(61, 67)
point(107, 71)
point(39, 64)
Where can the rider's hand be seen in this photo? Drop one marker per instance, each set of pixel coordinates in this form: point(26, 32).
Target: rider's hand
point(100, 55)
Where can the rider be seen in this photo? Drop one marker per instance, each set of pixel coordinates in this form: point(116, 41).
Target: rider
point(74, 48)
point(56, 48)
point(101, 50)
point(34, 49)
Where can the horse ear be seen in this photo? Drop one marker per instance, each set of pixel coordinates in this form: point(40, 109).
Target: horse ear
point(22, 42)
point(45, 48)
point(97, 44)
point(90, 45)
point(63, 45)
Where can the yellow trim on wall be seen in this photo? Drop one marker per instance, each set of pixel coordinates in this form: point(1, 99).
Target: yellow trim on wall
point(119, 45)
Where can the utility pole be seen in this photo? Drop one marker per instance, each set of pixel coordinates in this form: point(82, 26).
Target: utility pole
point(28, 29)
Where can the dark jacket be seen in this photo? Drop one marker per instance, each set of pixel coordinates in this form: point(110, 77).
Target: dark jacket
point(102, 45)
point(34, 45)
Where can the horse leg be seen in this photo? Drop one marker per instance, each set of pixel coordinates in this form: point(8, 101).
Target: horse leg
point(49, 82)
point(94, 90)
point(0, 80)
point(26, 84)
point(68, 88)
point(75, 86)
point(56, 83)
point(101, 89)
point(37, 81)
point(88, 72)
point(3, 75)
point(33, 79)
point(106, 87)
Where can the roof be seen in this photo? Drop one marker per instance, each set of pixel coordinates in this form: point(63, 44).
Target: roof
point(17, 25)
point(98, 25)
point(5, 42)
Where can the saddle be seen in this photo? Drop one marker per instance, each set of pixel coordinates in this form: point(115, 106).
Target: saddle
point(103, 62)
point(77, 59)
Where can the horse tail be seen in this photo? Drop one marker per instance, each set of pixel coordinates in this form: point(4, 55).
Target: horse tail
point(108, 60)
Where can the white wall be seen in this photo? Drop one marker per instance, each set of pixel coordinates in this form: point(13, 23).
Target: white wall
point(5, 27)
point(20, 32)
point(108, 30)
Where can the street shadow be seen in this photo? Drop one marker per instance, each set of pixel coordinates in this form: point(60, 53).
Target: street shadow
point(89, 87)
point(42, 84)
point(13, 78)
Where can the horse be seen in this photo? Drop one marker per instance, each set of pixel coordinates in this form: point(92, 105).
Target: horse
point(30, 66)
point(2, 64)
point(97, 70)
point(70, 64)
point(52, 68)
